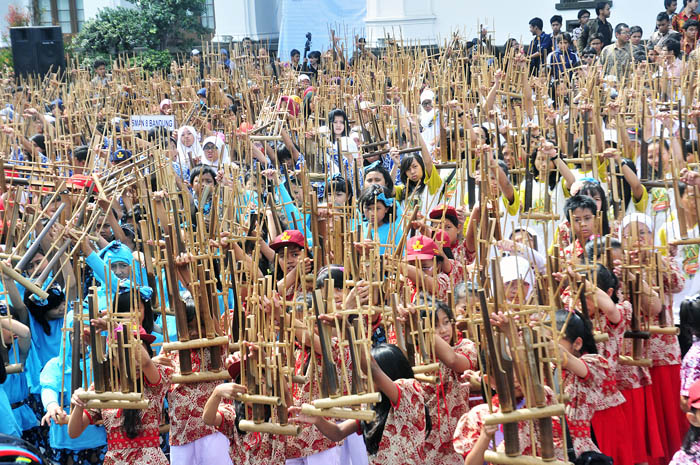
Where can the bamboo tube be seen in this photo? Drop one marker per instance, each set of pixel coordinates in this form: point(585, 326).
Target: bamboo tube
point(339, 413)
point(423, 369)
point(524, 414)
point(259, 399)
point(197, 377)
point(627, 360)
point(29, 285)
point(123, 404)
point(270, 428)
point(14, 368)
point(670, 330)
point(195, 344)
point(345, 401)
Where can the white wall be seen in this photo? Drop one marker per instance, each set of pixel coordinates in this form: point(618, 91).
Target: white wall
point(92, 7)
point(257, 19)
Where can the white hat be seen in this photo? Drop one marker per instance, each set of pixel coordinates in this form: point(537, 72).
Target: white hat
point(195, 51)
point(427, 94)
point(635, 218)
point(303, 77)
point(517, 268)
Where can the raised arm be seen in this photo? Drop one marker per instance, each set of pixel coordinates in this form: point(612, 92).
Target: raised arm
point(447, 355)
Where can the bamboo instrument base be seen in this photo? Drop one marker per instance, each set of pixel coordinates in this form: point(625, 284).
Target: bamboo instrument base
point(195, 344)
point(523, 414)
point(503, 459)
point(271, 428)
point(201, 377)
point(423, 369)
point(627, 360)
point(348, 401)
point(339, 413)
point(670, 330)
point(273, 401)
point(124, 404)
point(14, 368)
point(426, 378)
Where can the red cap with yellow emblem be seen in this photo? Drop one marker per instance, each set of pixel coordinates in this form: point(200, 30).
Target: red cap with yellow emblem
point(288, 237)
point(421, 248)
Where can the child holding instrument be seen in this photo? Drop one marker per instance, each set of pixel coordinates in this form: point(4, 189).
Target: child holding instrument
point(397, 435)
point(448, 400)
point(192, 441)
point(637, 238)
point(381, 221)
point(248, 448)
point(589, 381)
point(132, 435)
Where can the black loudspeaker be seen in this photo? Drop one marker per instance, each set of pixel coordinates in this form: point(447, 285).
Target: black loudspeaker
point(37, 50)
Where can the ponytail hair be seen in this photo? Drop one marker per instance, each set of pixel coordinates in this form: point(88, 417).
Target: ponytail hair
point(578, 326)
point(607, 280)
point(396, 366)
point(692, 437)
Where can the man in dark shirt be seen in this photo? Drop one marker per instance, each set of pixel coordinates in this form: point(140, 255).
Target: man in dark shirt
point(540, 46)
point(600, 25)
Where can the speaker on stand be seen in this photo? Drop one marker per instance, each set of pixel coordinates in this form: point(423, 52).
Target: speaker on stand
point(36, 50)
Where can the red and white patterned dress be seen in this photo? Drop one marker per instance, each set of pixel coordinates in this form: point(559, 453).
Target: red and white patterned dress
point(145, 448)
point(462, 255)
point(403, 438)
point(585, 398)
point(469, 429)
point(310, 440)
point(452, 396)
point(186, 402)
point(628, 376)
point(250, 448)
point(663, 348)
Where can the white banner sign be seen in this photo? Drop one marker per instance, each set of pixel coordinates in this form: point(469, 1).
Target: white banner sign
point(147, 122)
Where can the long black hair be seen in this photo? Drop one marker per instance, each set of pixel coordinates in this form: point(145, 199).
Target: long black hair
point(578, 326)
point(368, 197)
point(606, 280)
point(553, 173)
point(379, 168)
point(404, 167)
point(396, 366)
point(38, 309)
point(331, 118)
point(334, 272)
point(690, 322)
point(132, 417)
point(593, 188)
point(122, 304)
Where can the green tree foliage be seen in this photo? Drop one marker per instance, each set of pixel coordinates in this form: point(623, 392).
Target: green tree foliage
point(153, 24)
point(113, 31)
point(167, 20)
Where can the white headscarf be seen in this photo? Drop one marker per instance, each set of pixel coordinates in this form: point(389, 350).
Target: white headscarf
point(194, 151)
point(635, 218)
point(427, 116)
point(222, 149)
point(517, 268)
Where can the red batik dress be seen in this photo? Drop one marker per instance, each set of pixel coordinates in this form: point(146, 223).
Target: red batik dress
point(609, 420)
point(145, 448)
point(665, 354)
point(310, 440)
point(250, 448)
point(403, 438)
point(634, 383)
point(452, 397)
point(469, 429)
point(585, 398)
point(186, 402)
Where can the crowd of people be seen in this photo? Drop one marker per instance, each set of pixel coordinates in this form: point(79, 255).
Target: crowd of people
point(512, 229)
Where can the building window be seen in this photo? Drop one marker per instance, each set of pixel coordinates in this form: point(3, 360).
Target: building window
point(577, 5)
point(69, 14)
point(208, 15)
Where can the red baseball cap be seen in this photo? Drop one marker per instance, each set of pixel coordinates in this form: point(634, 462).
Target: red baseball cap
point(289, 237)
point(447, 211)
point(441, 237)
point(421, 247)
point(80, 181)
point(694, 395)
